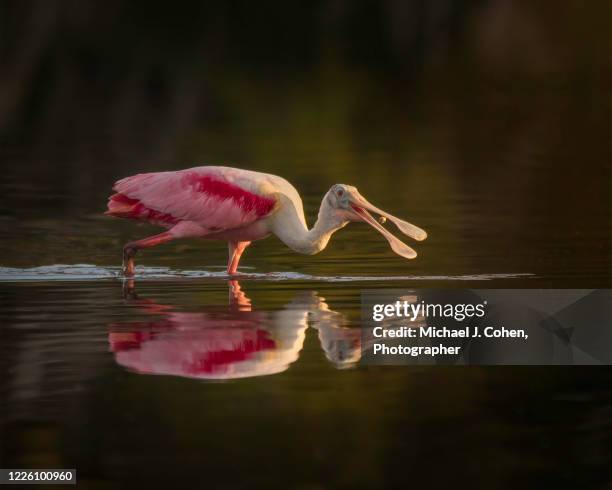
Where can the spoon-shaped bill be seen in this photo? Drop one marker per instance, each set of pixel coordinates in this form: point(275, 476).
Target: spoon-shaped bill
point(405, 227)
point(399, 247)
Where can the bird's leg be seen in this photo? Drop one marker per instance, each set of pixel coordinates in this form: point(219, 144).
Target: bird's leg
point(235, 252)
point(130, 249)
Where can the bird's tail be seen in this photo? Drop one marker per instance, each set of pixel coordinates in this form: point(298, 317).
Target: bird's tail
point(121, 206)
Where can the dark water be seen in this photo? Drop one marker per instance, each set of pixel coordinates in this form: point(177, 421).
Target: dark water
point(258, 383)
point(496, 144)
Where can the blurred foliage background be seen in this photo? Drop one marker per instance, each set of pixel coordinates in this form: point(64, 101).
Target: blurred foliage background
point(487, 122)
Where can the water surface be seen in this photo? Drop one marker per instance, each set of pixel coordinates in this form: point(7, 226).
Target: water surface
point(190, 378)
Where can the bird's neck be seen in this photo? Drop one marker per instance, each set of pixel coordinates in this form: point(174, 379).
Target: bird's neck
point(292, 230)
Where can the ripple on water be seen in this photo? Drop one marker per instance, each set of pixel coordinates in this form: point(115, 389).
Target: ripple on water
point(85, 272)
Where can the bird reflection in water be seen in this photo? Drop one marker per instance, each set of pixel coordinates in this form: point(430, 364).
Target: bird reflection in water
point(229, 343)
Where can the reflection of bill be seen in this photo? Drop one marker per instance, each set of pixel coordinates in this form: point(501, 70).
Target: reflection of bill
point(235, 343)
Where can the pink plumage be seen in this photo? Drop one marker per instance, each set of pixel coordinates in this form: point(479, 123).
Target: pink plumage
point(210, 198)
point(240, 206)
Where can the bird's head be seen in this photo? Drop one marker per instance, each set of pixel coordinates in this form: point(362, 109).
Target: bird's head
point(349, 205)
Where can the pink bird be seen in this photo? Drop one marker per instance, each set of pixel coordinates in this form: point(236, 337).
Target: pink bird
point(238, 343)
point(240, 206)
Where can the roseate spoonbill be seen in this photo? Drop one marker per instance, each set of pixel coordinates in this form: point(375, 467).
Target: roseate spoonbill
point(240, 206)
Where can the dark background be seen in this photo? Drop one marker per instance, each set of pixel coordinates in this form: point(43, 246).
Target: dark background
point(486, 122)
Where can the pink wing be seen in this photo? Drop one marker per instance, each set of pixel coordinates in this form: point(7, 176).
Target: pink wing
point(213, 198)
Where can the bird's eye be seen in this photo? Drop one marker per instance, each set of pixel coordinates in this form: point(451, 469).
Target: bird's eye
point(340, 192)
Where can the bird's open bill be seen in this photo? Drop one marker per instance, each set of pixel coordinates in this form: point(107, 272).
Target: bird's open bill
point(361, 207)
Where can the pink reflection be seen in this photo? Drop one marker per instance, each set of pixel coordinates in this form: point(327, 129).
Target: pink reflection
point(231, 343)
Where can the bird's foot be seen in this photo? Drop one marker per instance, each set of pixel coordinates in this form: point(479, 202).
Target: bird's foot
point(128, 266)
point(232, 272)
point(237, 274)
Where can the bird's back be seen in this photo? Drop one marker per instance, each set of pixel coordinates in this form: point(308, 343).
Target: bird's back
point(214, 197)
